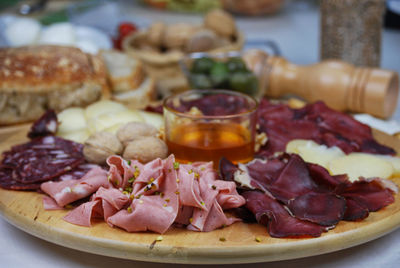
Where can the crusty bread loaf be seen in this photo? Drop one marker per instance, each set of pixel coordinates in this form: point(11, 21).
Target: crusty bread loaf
point(36, 78)
point(125, 72)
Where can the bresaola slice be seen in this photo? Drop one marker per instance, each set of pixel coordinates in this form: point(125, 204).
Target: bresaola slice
point(315, 122)
point(323, 208)
point(279, 222)
point(368, 193)
point(293, 181)
point(307, 192)
point(290, 183)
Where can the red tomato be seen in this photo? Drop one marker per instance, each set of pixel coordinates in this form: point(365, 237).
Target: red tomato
point(126, 28)
point(117, 43)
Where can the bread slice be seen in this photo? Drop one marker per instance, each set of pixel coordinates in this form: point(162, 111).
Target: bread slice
point(36, 78)
point(140, 97)
point(125, 72)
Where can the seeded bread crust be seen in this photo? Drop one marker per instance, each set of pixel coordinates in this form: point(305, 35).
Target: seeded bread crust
point(36, 78)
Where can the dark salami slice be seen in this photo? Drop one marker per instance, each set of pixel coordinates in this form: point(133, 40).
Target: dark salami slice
point(7, 182)
point(46, 125)
point(42, 159)
point(76, 173)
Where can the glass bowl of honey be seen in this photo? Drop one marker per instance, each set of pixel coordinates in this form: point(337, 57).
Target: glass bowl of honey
point(206, 125)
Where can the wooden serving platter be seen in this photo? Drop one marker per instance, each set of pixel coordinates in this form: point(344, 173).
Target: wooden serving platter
point(25, 211)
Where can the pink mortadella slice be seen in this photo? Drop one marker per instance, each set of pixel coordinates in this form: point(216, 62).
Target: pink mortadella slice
point(65, 192)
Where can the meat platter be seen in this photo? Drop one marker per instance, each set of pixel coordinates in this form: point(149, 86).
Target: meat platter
point(233, 244)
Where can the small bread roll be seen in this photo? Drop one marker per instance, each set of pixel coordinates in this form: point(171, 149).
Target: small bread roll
point(202, 40)
point(221, 22)
point(155, 34)
point(177, 35)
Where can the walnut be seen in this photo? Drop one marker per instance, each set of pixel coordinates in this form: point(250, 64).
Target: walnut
point(146, 149)
point(176, 35)
point(202, 40)
point(99, 146)
point(221, 22)
point(135, 130)
point(155, 33)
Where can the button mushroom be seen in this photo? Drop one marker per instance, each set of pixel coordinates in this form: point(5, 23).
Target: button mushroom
point(99, 146)
point(145, 149)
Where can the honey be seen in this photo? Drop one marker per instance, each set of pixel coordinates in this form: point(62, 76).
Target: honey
point(211, 141)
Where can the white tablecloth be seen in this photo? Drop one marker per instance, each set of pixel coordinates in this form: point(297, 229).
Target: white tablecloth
point(296, 31)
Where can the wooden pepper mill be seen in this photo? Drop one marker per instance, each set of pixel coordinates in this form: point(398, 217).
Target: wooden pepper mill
point(340, 85)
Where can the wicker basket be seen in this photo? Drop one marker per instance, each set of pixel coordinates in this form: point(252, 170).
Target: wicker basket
point(164, 67)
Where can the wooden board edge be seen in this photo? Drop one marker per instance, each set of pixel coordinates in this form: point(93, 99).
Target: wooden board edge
point(203, 255)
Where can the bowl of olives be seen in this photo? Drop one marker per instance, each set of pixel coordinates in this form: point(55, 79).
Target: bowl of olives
point(220, 71)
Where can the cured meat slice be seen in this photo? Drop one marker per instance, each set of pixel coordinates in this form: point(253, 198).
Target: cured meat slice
point(152, 212)
point(122, 171)
point(84, 214)
point(355, 211)
point(65, 192)
point(293, 181)
point(6, 181)
point(215, 196)
point(76, 173)
point(189, 194)
point(308, 191)
point(322, 208)
point(50, 204)
point(42, 159)
point(290, 182)
point(160, 193)
point(279, 222)
point(324, 180)
point(105, 203)
point(315, 122)
point(266, 171)
point(370, 194)
point(46, 125)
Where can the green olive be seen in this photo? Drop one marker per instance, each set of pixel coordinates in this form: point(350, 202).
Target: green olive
point(244, 82)
point(219, 75)
point(200, 81)
point(236, 64)
point(202, 65)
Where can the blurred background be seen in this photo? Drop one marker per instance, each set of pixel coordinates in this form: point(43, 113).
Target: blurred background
point(363, 33)
point(293, 24)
